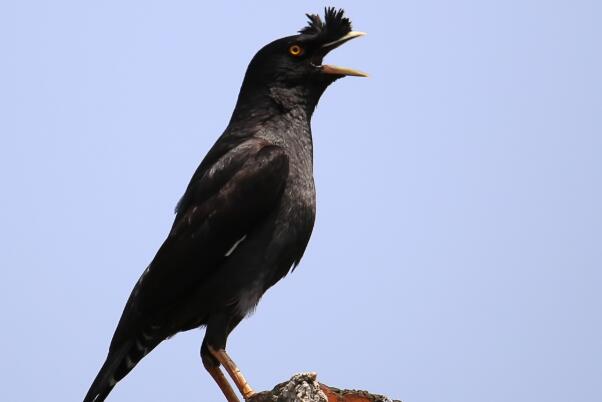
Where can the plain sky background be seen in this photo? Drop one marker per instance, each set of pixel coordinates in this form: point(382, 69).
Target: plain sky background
point(457, 252)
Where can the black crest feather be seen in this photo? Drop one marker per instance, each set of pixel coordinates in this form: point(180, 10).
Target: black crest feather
point(335, 25)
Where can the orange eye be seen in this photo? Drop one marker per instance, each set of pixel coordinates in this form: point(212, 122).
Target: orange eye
point(295, 50)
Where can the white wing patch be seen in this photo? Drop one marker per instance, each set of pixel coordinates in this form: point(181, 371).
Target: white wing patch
point(234, 246)
point(129, 363)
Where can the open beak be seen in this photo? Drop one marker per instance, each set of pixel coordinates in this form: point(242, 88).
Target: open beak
point(329, 69)
point(336, 70)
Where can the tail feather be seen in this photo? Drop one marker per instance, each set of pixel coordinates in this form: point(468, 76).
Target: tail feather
point(121, 360)
point(105, 379)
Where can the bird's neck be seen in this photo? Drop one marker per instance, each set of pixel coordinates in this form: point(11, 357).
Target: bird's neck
point(253, 105)
point(260, 103)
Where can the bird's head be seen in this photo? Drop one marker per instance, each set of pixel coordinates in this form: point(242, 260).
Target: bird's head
point(291, 68)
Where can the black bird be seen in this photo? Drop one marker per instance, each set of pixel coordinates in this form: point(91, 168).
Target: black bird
point(246, 216)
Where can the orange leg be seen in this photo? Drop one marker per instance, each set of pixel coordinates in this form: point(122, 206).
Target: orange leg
point(225, 360)
point(222, 382)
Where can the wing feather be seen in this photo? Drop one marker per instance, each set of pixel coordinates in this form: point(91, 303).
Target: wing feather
point(223, 202)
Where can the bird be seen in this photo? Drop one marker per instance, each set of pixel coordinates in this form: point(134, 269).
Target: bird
point(246, 216)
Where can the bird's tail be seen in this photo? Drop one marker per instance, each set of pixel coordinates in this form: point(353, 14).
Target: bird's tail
point(105, 380)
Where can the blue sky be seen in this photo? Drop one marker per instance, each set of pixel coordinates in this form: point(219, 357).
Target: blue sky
point(457, 252)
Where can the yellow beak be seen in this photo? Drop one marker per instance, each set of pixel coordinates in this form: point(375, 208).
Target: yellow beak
point(328, 69)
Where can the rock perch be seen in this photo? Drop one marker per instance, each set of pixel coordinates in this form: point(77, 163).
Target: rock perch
point(304, 387)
